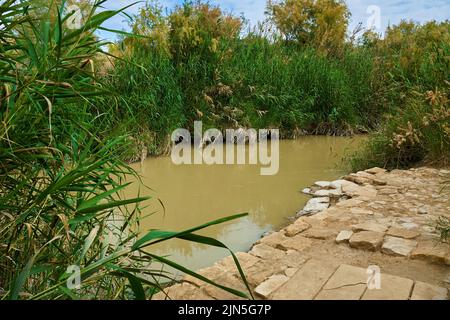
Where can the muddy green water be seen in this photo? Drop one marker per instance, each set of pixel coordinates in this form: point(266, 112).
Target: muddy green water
point(195, 194)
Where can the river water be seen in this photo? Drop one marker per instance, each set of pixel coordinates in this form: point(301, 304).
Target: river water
point(195, 194)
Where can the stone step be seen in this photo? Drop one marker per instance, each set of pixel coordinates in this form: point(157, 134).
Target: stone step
point(307, 282)
point(320, 281)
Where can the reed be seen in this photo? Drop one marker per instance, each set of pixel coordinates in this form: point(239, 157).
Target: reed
point(60, 177)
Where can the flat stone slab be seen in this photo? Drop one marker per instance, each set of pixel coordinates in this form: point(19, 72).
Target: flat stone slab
point(273, 239)
point(290, 271)
point(297, 243)
point(266, 288)
point(398, 246)
point(316, 205)
point(323, 184)
point(246, 260)
point(267, 252)
point(349, 203)
point(376, 170)
point(425, 291)
point(344, 236)
point(432, 251)
point(328, 193)
point(369, 226)
point(230, 281)
point(210, 273)
point(410, 225)
point(296, 228)
point(367, 191)
point(307, 282)
point(391, 288)
point(366, 240)
point(403, 233)
point(319, 233)
point(347, 283)
point(339, 184)
point(360, 211)
point(294, 259)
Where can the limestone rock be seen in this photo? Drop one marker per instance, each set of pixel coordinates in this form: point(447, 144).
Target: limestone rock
point(323, 184)
point(340, 184)
point(269, 286)
point(273, 239)
point(289, 272)
point(297, 243)
point(328, 193)
point(262, 270)
point(366, 240)
point(230, 281)
point(307, 282)
point(349, 203)
point(376, 170)
point(347, 283)
point(355, 178)
point(409, 225)
point(267, 252)
point(294, 259)
point(316, 205)
point(367, 191)
point(432, 251)
point(296, 228)
point(369, 226)
point(391, 288)
point(360, 211)
point(425, 291)
point(319, 233)
point(344, 236)
point(403, 233)
point(307, 191)
point(398, 246)
point(246, 260)
point(422, 210)
point(210, 273)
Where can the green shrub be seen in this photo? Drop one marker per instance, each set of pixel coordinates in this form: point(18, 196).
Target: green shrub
point(419, 131)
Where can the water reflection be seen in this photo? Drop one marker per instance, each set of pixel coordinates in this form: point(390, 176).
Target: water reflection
point(193, 195)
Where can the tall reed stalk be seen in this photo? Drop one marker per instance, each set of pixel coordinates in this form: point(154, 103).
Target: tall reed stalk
point(60, 179)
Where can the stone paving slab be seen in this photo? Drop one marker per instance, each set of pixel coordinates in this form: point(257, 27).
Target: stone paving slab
point(347, 283)
point(307, 282)
point(391, 288)
point(425, 291)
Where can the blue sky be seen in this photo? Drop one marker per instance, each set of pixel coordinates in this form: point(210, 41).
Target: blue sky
point(391, 11)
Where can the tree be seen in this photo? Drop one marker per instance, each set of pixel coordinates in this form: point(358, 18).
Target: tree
point(318, 23)
point(198, 28)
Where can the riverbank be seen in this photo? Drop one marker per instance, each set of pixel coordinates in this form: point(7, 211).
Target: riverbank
point(373, 218)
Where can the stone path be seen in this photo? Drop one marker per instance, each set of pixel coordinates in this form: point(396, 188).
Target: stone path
point(370, 235)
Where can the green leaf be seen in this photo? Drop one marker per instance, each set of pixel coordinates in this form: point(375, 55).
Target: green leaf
point(165, 235)
point(112, 204)
point(198, 276)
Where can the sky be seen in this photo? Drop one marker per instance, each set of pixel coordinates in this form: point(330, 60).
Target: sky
point(376, 14)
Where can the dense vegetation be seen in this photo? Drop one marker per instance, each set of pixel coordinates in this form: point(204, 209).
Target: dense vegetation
point(61, 210)
point(297, 72)
point(73, 114)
